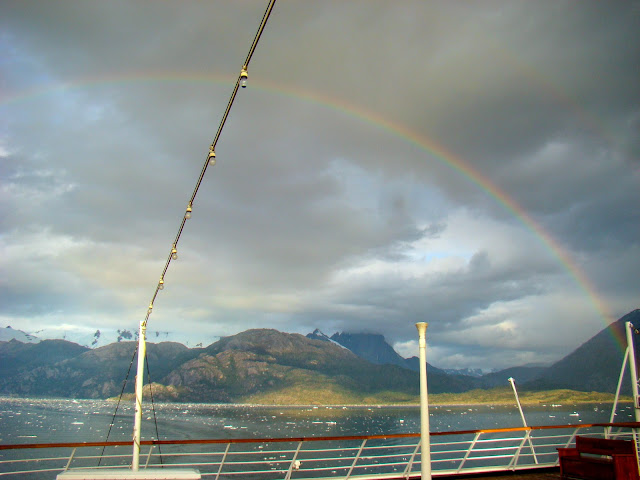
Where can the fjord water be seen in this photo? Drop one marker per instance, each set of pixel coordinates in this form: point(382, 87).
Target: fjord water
point(65, 420)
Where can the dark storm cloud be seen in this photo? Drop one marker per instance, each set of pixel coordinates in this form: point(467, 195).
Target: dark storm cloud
point(317, 213)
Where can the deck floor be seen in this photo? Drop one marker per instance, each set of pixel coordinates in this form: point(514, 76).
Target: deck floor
point(542, 474)
point(514, 476)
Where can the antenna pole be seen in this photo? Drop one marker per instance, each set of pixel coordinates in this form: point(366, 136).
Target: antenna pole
point(425, 448)
point(142, 353)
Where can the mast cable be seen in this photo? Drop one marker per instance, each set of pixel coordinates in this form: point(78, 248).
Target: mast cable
point(159, 286)
point(113, 419)
point(252, 49)
point(153, 409)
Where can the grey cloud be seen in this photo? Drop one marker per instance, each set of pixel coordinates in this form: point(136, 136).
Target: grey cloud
point(348, 189)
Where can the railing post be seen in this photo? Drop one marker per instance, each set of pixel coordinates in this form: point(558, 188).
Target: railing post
point(409, 467)
point(66, 467)
point(469, 450)
point(293, 462)
point(524, 420)
point(151, 447)
point(355, 460)
point(572, 439)
point(224, 458)
point(607, 432)
point(425, 448)
point(516, 456)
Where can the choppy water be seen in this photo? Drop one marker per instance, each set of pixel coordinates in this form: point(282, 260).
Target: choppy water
point(64, 420)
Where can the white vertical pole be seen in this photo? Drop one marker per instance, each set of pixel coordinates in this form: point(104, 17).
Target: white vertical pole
point(619, 387)
point(515, 392)
point(634, 382)
point(425, 449)
point(524, 420)
point(633, 369)
point(142, 351)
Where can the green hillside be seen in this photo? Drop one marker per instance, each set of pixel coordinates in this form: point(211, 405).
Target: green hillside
point(332, 394)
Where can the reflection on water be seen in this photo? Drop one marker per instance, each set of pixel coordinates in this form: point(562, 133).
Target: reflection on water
point(64, 420)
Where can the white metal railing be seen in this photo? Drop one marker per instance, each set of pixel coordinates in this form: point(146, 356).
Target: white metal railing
point(353, 457)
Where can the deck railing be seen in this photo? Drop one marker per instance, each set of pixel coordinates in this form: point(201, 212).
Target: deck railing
point(349, 457)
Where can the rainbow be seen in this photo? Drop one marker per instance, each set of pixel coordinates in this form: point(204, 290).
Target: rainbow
point(435, 149)
point(456, 163)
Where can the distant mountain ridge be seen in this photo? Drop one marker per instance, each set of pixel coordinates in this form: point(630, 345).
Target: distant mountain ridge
point(7, 334)
point(60, 368)
point(471, 372)
point(596, 364)
point(16, 355)
point(374, 348)
point(522, 375)
point(317, 334)
point(232, 369)
point(271, 366)
point(93, 339)
point(370, 346)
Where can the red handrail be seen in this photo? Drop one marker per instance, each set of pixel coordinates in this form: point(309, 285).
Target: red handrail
point(312, 439)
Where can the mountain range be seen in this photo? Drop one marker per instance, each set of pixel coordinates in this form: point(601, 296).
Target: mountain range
point(268, 366)
point(96, 338)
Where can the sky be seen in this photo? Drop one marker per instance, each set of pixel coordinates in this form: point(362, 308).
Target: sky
point(474, 165)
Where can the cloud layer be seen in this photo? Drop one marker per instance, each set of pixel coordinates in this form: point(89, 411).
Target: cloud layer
point(474, 165)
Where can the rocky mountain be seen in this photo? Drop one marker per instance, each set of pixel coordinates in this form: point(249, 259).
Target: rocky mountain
point(521, 375)
point(7, 334)
point(370, 346)
point(470, 372)
point(374, 348)
point(97, 338)
point(63, 369)
point(264, 360)
point(270, 366)
point(317, 334)
point(255, 362)
point(16, 356)
point(595, 365)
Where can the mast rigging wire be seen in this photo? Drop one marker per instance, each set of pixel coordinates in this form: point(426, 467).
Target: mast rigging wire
point(247, 61)
point(160, 285)
point(153, 408)
point(113, 418)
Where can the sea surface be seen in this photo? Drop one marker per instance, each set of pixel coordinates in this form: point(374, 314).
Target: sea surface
point(66, 420)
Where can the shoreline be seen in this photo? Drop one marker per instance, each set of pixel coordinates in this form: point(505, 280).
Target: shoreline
point(497, 402)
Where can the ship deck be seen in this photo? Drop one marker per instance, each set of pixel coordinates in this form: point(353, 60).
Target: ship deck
point(541, 474)
point(523, 453)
